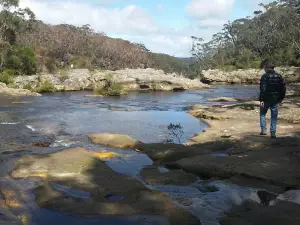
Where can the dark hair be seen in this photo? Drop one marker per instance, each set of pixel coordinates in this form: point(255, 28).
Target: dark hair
point(267, 64)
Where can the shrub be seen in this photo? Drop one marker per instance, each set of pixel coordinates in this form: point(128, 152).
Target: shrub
point(175, 133)
point(22, 60)
point(116, 89)
point(113, 90)
point(7, 76)
point(46, 86)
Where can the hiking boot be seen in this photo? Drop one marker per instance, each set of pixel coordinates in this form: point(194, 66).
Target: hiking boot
point(273, 135)
point(263, 133)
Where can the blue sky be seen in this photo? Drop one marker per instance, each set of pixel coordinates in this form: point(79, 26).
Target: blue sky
point(162, 25)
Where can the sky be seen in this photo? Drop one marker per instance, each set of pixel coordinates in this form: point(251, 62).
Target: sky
point(164, 26)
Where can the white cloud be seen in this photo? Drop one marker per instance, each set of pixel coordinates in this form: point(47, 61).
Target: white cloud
point(135, 24)
point(131, 23)
point(129, 20)
point(208, 9)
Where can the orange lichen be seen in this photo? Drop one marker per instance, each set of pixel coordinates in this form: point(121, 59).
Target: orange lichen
point(13, 203)
point(106, 155)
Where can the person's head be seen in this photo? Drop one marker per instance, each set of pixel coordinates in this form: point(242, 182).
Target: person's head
point(267, 65)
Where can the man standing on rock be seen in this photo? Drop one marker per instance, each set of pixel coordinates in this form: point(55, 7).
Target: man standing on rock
point(272, 93)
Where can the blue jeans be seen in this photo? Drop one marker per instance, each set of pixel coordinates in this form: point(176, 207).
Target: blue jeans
point(274, 116)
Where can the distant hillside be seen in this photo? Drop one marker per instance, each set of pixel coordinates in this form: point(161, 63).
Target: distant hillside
point(29, 46)
point(85, 48)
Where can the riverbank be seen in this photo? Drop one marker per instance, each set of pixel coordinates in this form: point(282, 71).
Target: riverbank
point(130, 80)
point(247, 76)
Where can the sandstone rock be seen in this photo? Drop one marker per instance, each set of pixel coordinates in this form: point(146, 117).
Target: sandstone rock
point(131, 79)
point(114, 140)
point(277, 166)
point(206, 114)
point(222, 99)
point(166, 152)
point(250, 76)
point(250, 213)
point(153, 176)
point(97, 189)
point(4, 90)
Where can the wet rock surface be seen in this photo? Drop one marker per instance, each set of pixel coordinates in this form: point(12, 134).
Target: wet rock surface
point(155, 176)
point(11, 141)
point(81, 170)
point(250, 213)
point(114, 140)
point(279, 168)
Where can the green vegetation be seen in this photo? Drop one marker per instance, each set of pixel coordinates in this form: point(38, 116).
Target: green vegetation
point(112, 90)
point(46, 86)
point(29, 46)
point(15, 21)
point(273, 32)
point(6, 76)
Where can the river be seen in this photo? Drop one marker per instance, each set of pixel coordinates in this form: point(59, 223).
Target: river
point(65, 119)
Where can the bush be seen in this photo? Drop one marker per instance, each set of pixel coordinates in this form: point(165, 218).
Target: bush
point(22, 60)
point(113, 90)
point(46, 86)
point(7, 76)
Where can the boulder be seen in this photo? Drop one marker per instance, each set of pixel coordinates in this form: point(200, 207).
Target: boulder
point(77, 182)
point(113, 140)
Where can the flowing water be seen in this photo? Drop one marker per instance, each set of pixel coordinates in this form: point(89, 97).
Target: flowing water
point(65, 120)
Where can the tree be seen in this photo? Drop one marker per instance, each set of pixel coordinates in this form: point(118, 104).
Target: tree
point(13, 21)
point(273, 31)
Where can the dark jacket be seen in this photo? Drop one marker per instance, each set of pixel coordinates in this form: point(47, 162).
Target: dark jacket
point(272, 88)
